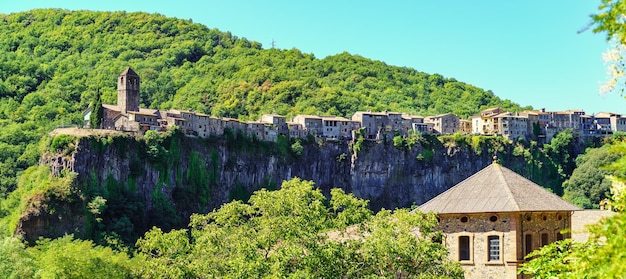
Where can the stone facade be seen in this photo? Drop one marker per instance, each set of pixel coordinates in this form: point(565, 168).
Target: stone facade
point(128, 91)
point(128, 116)
point(496, 217)
point(512, 230)
point(444, 123)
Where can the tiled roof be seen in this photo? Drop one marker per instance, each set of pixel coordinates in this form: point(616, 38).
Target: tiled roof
point(496, 189)
point(145, 111)
point(111, 107)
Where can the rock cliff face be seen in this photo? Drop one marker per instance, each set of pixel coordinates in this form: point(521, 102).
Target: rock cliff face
point(387, 176)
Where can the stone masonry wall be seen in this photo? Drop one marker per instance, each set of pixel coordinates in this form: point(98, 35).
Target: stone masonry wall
point(511, 227)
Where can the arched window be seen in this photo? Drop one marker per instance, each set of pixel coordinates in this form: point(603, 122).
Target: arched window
point(528, 243)
point(559, 235)
point(544, 239)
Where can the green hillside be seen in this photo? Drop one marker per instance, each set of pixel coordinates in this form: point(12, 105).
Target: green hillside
point(53, 63)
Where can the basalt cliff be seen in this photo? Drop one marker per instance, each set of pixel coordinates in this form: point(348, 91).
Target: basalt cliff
point(168, 179)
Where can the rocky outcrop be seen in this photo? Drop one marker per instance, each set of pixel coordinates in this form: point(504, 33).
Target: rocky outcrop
point(387, 176)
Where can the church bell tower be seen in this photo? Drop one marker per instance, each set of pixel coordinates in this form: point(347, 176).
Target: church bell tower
point(128, 91)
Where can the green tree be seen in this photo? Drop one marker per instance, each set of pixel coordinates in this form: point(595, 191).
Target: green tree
point(602, 255)
point(97, 113)
point(296, 232)
point(589, 183)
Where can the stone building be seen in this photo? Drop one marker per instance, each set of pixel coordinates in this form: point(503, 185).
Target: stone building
point(494, 218)
point(127, 115)
point(374, 123)
point(409, 122)
point(483, 123)
point(311, 124)
point(278, 122)
point(128, 91)
point(465, 126)
point(511, 126)
point(444, 124)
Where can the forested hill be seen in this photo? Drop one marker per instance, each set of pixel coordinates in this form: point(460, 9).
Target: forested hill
point(53, 62)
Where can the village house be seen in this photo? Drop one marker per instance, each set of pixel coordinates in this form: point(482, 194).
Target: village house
point(374, 123)
point(311, 124)
point(532, 118)
point(278, 122)
point(465, 126)
point(484, 123)
point(511, 126)
point(444, 123)
point(423, 128)
point(296, 130)
point(567, 119)
point(496, 217)
point(604, 123)
point(412, 122)
point(335, 127)
point(128, 116)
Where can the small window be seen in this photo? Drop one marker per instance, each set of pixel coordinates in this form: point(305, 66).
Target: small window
point(493, 218)
point(464, 219)
point(528, 243)
point(464, 248)
point(559, 235)
point(544, 239)
point(494, 247)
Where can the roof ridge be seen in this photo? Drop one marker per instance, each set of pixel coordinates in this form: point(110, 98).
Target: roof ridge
point(507, 188)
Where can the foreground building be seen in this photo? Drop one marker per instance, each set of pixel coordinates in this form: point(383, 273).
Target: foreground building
point(496, 217)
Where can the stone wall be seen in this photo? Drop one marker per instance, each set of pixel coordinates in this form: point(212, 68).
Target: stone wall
point(510, 227)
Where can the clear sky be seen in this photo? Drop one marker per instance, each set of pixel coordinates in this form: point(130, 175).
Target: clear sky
point(526, 51)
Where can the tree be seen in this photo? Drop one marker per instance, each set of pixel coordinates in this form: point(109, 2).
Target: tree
point(97, 113)
point(296, 232)
point(602, 256)
point(610, 19)
point(589, 183)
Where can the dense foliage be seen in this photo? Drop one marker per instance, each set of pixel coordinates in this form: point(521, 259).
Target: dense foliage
point(291, 232)
point(54, 63)
point(602, 256)
point(548, 165)
point(590, 182)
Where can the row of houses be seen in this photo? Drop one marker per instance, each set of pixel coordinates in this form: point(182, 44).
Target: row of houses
point(128, 116)
point(544, 124)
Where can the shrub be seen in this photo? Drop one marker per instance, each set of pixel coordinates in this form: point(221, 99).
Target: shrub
point(63, 143)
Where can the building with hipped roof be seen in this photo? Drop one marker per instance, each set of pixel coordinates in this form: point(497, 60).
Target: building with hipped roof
point(496, 217)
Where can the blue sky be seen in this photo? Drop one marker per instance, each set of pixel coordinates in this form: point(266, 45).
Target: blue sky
point(526, 51)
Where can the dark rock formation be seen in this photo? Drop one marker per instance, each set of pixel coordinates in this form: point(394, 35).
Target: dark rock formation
point(387, 176)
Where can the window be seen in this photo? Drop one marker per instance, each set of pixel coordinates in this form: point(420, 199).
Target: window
point(528, 243)
point(494, 247)
point(544, 239)
point(464, 248)
point(559, 235)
